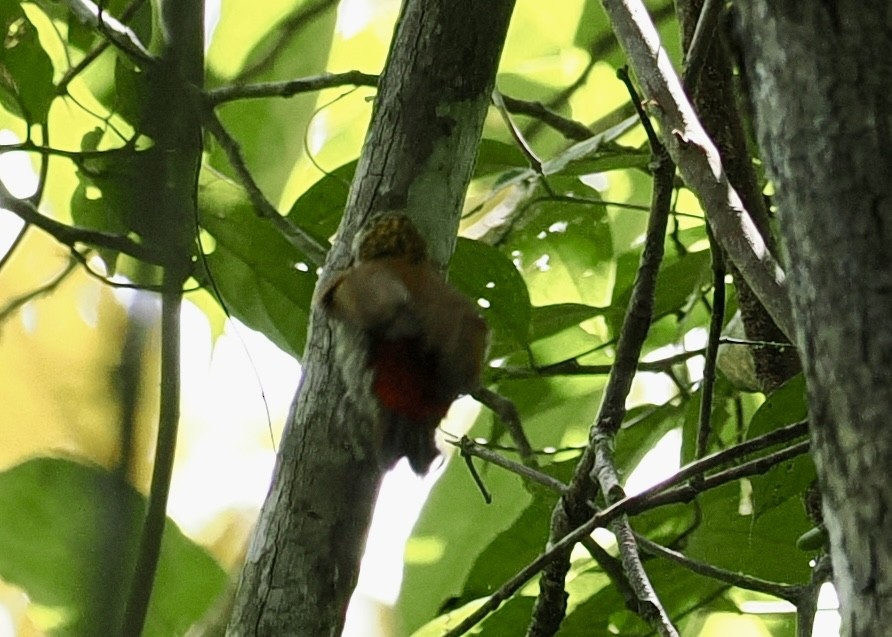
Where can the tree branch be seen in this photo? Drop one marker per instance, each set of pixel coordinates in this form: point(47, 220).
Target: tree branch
point(72, 235)
point(788, 592)
point(645, 501)
point(216, 97)
point(573, 506)
point(182, 64)
point(698, 160)
point(314, 252)
point(118, 33)
point(417, 159)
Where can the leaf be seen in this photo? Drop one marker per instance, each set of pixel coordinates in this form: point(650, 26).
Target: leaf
point(604, 612)
point(583, 151)
point(547, 320)
point(320, 208)
point(789, 480)
point(454, 527)
point(481, 272)
point(739, 542)
point(68, 529)
point(265, 281)
point(564, 249)
point(26, 72)
point(677, 280)
point(511, 549)
point(494, 156)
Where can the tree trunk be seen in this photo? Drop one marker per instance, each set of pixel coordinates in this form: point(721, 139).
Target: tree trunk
point(821, 76)
point(304, 558)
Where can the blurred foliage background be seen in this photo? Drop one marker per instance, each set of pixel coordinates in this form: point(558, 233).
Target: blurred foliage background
point(552, 269)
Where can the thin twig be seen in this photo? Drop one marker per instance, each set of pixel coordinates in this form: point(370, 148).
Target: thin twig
point(698, 52)
point(572, 367)
point(218, 96)
point(698, 159)
point(569, 128)
point(731, 340)
point(508, 414)
point(717, 319)
point(48, 287)
point(128, 12)
point(469, 462)
point(517, 136)
point(301, 240)
point(14, 244)
point(788, 592)
point(72, 235)
point(117, 33)
point(162, 468)
point(471, 448)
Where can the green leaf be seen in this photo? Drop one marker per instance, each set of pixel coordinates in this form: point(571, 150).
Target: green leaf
point(579, 154)
point(547, 320)
point(272, 132)
point(677, 281)
point(320, 208)
point(69, 533)
point(494, 156)
point(481, 272)
point(26, 72)
point(564, 250)
point(789, 480)
point(129, 181)
point(454, 527)
point(740, 542)
point(604, 612)
point(511, 549)
point(265, 281)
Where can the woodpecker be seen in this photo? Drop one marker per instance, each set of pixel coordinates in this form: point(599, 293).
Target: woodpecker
point(407, 343)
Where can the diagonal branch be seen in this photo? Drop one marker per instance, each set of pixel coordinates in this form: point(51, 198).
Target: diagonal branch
point(698, 159)
point(596, 462)
point(72, 235)
point(118, 33)
point(657, 495)
point(788, 592)
point(314, 252)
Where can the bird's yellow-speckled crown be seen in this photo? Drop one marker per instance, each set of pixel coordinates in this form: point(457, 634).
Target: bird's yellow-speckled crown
point(390, 235)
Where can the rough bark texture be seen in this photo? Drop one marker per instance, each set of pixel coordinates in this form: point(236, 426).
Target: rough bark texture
point(697, 158)
point(821, 76)
point(304, 558)
point(715, 100)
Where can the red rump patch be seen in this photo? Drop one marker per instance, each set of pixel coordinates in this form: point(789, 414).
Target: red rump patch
point(405, 381)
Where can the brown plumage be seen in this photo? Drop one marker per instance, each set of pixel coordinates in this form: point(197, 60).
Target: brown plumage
point(407, 342)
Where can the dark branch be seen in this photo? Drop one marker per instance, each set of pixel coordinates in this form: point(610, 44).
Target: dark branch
point(218, 96)
point(314, 252)
point(73, 235)
point(788, 592)
point(651, 498)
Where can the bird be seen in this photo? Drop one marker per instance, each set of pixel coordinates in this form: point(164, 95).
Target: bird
point(406, 341)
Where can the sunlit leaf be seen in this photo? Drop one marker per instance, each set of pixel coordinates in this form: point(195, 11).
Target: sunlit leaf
point(264, 280)
point(68, 536)
point(26, 72)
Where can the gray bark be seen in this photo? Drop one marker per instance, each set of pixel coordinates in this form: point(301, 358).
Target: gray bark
point(821, 77)
point(304, 558)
